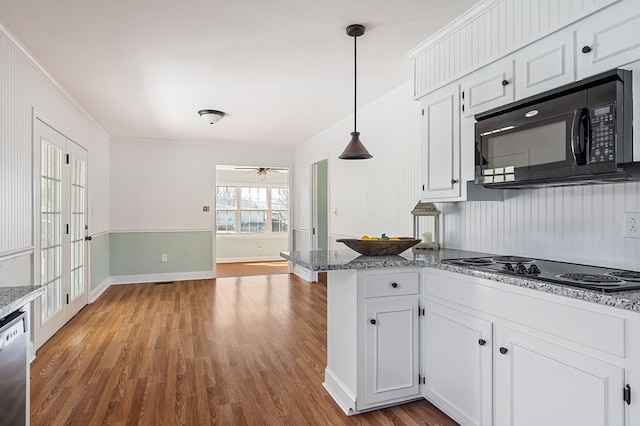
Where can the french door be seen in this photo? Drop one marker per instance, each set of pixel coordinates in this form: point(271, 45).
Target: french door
point(62, 264)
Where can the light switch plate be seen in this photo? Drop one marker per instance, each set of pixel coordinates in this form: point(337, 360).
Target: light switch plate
point(632, 225)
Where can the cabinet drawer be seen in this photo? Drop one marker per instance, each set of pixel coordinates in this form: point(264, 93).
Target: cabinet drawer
point(392, 284)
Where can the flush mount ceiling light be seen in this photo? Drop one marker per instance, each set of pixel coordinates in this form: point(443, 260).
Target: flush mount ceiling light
point(355, 150)
point(211, 115)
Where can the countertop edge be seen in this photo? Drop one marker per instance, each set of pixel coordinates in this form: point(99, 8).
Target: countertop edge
point(628, 300)
point(13, 298)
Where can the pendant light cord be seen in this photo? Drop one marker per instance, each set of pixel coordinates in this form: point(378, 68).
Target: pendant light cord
point(355, 81)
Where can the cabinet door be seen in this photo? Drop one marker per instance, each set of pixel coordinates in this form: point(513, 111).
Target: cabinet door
point(457, 355)
point(391, 350)
point(541, 383)
point(546, 65)
point(488, 89)
point(610, 41)
point(441, 145)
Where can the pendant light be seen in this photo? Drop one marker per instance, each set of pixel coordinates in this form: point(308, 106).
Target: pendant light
point(355, 150)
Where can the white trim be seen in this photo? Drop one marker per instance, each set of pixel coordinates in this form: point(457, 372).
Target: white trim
point(16, 253)
point(97, 292)
point(30, 57)
point(146, 231)
point(303, 273)
point(345, 399)
point(100, 234)
point(248, 259)
point(252, 236)
point(155, 278)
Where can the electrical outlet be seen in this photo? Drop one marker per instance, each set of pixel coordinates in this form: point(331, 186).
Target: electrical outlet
point(164, 257)
point(632, 225)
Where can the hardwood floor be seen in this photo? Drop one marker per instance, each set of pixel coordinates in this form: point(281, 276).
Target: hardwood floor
point(230, 351)
point(243, 269)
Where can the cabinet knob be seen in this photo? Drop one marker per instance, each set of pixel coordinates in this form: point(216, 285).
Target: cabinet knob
point(503, 350)
point(505, 82)
point(394, 285)
point(454, 181)
point(373, 322)
point(482, 342)
point(586, 49)
point(88, 238)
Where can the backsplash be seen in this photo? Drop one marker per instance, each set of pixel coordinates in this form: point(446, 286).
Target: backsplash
point(580, 224)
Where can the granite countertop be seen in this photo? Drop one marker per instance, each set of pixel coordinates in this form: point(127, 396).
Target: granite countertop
point(331, 260)
point(13, 298)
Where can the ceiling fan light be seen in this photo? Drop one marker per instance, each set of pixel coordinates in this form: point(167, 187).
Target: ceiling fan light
point(211, 115)
point(355, 150)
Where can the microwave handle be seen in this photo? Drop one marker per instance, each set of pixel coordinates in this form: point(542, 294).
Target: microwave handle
point(580, 130)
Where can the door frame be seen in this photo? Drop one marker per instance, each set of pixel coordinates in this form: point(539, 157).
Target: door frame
point(36, 228)
point(315, 184)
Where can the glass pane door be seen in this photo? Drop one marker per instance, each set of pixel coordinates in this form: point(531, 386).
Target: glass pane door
point(51, 229)
point(62, 263)
point(78, 214)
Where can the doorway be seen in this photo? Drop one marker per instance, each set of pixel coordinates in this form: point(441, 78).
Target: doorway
point(320, 210)
point(251, 220)
point(61, 183)
point(320, 226)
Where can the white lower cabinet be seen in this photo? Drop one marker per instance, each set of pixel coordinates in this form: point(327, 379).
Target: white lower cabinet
point(497, 354)
point(542, 383)
point(373, 351)
point(458, 364)
point(391, 350)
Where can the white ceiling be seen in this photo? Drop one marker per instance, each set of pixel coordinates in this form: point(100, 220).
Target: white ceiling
point(282, 70)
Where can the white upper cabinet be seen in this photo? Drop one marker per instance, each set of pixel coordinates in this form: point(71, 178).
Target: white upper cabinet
point(441, 144)
point(494, 29)
point(545, 65)
point(609, 40)
point(488, 89)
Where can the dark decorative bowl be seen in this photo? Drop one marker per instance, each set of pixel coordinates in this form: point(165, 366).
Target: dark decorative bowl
point(379, 247)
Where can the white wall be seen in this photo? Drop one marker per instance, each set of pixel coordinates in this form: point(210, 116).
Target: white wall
point(365, 196)
point(163, 185)
point(26, 88)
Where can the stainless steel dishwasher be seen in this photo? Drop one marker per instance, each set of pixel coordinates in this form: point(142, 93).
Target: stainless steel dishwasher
point(13, 370)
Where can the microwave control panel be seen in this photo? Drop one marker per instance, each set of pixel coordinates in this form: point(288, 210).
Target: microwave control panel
point(603, 134)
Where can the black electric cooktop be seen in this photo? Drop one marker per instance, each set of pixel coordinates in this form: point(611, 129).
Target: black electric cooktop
point(572, 274)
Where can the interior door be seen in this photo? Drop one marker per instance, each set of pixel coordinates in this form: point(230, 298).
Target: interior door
point(62, 203)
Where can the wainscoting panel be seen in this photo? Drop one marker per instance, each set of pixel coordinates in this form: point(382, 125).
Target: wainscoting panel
point(16, 211)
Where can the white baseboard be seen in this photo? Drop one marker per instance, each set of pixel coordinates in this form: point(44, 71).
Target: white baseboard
point(345, 399)
point(96, 292)
point(249, 259)
point(304, 273)
point(155, 278)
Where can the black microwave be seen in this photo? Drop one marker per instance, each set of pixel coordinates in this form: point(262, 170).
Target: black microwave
point(575, 134)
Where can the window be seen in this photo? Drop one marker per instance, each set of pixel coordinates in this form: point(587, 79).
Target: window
point(279, 209)
point(226, 206)
point(256, 210)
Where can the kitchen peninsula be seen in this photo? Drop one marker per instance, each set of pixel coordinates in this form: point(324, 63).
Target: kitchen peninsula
point(485, 347)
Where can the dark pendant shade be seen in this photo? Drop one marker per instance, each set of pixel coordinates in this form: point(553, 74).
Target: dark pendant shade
point(355, 150)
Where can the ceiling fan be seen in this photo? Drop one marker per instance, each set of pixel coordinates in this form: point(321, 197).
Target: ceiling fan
point(261, 171)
